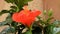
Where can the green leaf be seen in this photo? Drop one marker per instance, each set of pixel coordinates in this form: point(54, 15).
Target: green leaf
point(13, 7)
point(4, 11)
point(12, 11)
point(7, 21)
point(28, 32)
point(49, 19)
point(44, 12)
point(56, 30)
point(56, 23)
point(14, 24)
point(57, 27)
point(50, 13)
point(18, 3)
point(8, 30)
point(53, 28)
point(26, 1)
point(49, 29)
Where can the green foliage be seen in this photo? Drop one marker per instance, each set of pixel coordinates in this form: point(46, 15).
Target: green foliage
point(49, 29)
point(28, 32)
point(50, 12)
point(57, 27)
point(53, 28)
point(8, 30)
point(13, 9)
point(18, 3)
point(46, 21)
point(57, 23)
point(14, 24)
point(44, 12)
point(49, 19)
point(58, 32)
point(4, 11)
point(7, 21)
point(8, 11)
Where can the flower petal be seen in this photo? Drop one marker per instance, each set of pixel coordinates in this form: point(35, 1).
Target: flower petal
point(14, 16)
point(36, 12)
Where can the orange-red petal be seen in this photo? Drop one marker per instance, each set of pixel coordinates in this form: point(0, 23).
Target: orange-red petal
point(26, 17)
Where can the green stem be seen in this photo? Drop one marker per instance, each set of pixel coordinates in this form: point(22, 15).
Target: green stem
point(30, 30)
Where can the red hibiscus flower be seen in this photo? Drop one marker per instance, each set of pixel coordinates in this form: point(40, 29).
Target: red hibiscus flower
point(26, 16)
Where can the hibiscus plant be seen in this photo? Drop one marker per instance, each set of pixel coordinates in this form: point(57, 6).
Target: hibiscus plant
point(22, 20)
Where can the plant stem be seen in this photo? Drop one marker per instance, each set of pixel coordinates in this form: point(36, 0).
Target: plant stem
point(31, 30)
point(43, 31)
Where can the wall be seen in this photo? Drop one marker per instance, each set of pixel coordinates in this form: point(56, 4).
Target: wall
point(55, 5)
